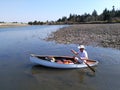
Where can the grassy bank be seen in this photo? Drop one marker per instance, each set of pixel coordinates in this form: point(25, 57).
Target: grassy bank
point(105, 35)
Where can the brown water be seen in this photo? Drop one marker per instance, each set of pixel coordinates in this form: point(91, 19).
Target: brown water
point(18, 73)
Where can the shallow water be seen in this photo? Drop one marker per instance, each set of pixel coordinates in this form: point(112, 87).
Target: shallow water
point(18, 73)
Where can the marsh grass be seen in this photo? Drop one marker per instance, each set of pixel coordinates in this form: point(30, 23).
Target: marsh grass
point(106, 35)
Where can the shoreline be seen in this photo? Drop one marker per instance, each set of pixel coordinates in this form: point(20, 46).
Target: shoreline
point(3, 25)
point(103, 35)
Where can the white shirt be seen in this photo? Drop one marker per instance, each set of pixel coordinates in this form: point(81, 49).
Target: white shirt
point(83, 54)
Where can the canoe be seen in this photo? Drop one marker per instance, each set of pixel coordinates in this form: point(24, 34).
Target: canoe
point(46, 60)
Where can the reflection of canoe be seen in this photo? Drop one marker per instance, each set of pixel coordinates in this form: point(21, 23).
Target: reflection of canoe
point(45, 61)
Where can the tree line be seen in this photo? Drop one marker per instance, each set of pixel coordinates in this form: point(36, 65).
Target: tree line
point(107, 16)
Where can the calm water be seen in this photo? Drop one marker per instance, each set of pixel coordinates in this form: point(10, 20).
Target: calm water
point(18, 73)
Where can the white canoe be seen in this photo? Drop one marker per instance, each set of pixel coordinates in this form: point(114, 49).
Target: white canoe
point(42, 60)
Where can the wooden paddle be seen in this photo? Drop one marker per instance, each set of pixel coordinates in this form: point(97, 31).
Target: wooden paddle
point(83, 61)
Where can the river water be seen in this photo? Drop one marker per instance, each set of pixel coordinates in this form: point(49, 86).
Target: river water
point(18, 73)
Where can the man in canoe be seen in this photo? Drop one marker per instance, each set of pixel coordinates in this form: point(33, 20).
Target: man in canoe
point(82, 54)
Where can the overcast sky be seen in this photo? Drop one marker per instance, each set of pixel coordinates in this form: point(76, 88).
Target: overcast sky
point(43, 10)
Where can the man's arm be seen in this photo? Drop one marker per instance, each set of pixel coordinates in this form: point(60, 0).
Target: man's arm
point(74, 52)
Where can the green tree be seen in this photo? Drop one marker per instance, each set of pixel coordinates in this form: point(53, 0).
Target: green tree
point(106, 15)
point(94, 15)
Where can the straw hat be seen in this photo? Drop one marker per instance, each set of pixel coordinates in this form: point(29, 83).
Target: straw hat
point(81, 46)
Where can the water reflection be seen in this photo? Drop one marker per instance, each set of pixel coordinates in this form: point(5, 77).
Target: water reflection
point(51, 74)
point(61, 78)
point(38, 69)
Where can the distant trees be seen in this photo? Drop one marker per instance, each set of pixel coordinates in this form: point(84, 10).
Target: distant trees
point(36, 23)
point(94, 15)
point(2, 22)
point(110, 15)
point(107, 16)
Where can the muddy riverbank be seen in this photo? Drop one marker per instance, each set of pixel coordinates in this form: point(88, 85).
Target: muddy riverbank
point(105, 35)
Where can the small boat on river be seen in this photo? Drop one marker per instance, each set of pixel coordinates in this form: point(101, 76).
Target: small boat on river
point(55, 61)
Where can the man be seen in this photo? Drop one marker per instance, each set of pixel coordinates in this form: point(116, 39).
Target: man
point(82, 54)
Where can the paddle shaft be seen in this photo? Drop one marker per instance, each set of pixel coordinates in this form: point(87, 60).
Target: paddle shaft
point(83, 60)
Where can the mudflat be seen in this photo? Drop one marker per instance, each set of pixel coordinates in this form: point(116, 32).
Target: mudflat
point(105, 35)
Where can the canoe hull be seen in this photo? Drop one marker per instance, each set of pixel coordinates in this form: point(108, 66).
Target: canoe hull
point(35, 59)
